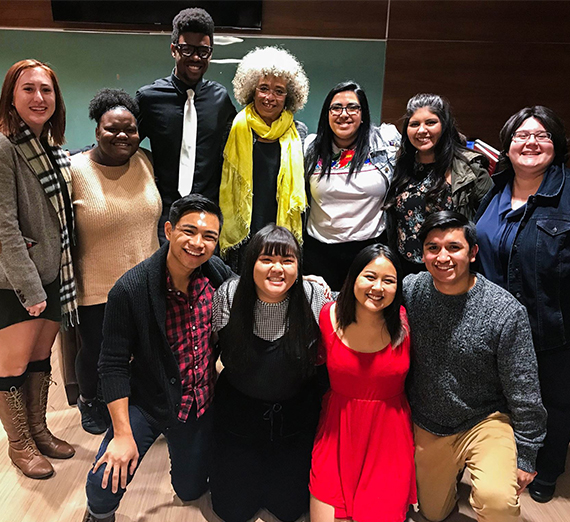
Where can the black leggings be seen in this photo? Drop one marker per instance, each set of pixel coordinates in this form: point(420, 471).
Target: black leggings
point(91, 332)
point(554, 376)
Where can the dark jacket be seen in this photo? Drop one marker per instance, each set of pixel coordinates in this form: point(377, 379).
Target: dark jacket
point(136, 360)
point(539, 266)
point(470, 181)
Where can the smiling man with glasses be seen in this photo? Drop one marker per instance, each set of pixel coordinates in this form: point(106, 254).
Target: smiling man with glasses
point(185, 117)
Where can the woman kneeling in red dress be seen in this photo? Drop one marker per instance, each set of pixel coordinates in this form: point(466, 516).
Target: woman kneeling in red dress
point(363, 458)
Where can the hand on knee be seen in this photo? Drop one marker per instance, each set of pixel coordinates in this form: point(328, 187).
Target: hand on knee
point(119, 462)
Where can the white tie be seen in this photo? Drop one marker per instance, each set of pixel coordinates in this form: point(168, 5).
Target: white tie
point(188, 148)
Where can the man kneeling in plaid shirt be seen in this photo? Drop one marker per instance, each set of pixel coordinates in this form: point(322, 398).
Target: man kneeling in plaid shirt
point(157, 366)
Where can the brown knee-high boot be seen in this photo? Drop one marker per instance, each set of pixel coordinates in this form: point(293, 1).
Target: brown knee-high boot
point(22, 449)
point(36, 388)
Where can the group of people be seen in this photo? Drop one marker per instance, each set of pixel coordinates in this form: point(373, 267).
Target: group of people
point(468, 322)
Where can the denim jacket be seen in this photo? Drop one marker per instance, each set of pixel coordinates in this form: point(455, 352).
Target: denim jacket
point(384, 143)
point(539, 263)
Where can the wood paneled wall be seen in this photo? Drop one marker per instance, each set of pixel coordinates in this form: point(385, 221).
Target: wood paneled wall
point(336, 18)
point(489, 58)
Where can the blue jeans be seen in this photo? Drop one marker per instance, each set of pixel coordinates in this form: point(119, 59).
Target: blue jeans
point(189, 446)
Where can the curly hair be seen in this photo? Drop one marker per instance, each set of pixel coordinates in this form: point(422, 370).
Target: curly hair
point(108, 99)
point(192, 20)
point(264, 61)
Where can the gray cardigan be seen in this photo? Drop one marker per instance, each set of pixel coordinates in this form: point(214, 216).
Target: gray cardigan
point(30, 245)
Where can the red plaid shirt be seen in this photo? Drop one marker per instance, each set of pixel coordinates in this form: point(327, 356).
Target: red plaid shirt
point(189, 329)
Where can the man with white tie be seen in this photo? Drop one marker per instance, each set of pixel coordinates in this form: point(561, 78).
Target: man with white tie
point(185, 117)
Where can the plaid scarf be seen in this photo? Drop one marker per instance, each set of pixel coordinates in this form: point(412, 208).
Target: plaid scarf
point(39, 157)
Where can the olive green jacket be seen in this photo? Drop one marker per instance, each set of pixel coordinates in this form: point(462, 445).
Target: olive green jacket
point(469, 183)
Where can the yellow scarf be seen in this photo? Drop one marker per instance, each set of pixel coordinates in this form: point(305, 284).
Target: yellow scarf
point(236, 188)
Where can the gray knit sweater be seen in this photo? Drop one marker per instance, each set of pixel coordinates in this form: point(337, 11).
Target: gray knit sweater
point(472, 355)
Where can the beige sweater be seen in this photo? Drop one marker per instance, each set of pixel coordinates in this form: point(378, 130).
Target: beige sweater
point(116, 213)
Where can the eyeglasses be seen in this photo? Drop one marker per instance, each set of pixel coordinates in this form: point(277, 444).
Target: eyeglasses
point(352, 109)
point(521, 136)
point(278, 92)
point(187, 50)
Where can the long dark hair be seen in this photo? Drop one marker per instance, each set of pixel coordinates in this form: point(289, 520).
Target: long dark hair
point(302, 332)
point(550, 121)
point(321, 147)
point(446, 149)
point(346, 302)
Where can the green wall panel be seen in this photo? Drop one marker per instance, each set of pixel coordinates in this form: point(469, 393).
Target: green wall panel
point(86, 62)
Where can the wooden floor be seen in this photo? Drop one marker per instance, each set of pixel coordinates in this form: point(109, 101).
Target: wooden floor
point(150, 497)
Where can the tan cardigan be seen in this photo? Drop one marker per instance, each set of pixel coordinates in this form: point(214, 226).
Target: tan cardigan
point(116, 213)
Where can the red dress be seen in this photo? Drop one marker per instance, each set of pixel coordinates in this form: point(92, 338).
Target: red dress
point(363, 458)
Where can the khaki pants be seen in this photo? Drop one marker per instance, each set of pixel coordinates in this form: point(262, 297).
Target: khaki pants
point(489, 451)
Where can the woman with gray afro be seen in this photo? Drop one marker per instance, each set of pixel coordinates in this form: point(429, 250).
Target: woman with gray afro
point(262, 175)
point(117, 206)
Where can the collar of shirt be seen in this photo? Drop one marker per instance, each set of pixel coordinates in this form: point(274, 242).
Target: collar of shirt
point(505, 205)
point(183, 87)
point(196, 285)
point(336, 150)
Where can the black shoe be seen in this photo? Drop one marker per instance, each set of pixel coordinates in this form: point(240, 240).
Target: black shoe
point(541, 492)
point(88, 517)
point(94, 416)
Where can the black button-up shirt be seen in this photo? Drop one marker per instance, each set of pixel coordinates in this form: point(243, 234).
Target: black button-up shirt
point(161, 119)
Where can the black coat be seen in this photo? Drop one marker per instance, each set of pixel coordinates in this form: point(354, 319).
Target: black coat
point(136, 359)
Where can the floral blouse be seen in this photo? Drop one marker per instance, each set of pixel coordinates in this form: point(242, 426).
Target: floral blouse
point(411, 210)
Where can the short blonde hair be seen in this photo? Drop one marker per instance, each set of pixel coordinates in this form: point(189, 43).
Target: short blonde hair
point(265, 61)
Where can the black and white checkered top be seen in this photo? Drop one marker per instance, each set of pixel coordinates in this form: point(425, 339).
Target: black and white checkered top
point(269, 318)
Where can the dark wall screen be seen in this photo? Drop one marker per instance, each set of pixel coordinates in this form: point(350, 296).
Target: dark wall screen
point(226, 14)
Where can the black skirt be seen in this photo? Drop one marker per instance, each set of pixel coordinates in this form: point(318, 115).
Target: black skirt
point(262, 454)
point(12, 311)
